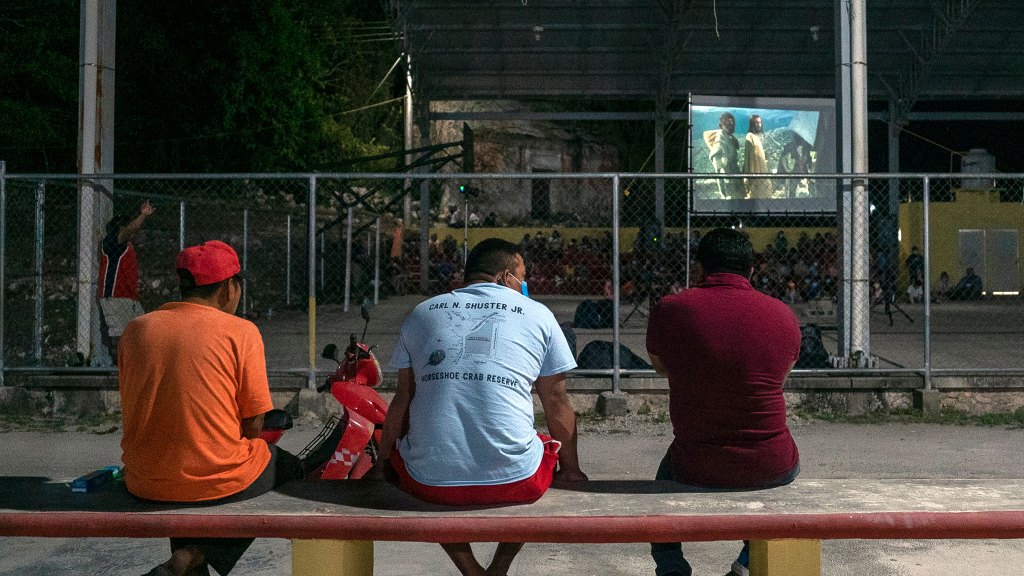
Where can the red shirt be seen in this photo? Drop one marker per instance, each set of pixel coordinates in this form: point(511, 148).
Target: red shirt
point(119, 270)
point(728, 349)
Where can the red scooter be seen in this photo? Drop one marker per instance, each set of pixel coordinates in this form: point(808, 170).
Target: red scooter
point(362, 411)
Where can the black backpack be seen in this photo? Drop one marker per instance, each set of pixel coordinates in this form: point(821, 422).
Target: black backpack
point(591, 314)
point(812, 349)
point(598, 354)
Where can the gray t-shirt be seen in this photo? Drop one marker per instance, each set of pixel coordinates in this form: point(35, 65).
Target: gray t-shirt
point(476, 353)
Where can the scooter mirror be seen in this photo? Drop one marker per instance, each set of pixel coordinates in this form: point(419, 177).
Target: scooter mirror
point(330, 352)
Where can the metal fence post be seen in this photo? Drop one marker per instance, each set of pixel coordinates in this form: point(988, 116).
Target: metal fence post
point(689, 233)
point(3, 262)
point(616, 261)
point(927, 287)
point(37, 331)
point(348, 260)
point(376, 265)
point(245, 261)
point(311, 303)
point(288, 263)
point(181, 225)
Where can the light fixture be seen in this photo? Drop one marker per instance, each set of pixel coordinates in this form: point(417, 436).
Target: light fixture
point(537, 31)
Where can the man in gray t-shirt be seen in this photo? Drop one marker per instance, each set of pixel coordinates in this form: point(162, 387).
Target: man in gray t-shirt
point(460, 429)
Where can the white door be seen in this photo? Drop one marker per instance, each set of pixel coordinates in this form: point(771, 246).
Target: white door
point(972, 253)
point(1003, 262)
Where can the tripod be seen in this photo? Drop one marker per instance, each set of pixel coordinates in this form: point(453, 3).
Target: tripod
point(889, 303)
point(650, 297)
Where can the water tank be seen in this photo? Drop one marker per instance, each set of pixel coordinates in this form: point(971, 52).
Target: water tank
point(977, 161)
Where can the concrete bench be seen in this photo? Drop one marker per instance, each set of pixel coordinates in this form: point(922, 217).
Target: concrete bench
point(332, 525)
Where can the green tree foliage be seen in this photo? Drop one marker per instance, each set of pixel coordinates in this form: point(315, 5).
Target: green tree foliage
point(260, 85)
point(240, 85)
point(39, 90)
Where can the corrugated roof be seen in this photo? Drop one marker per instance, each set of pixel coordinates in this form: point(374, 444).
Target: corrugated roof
point(927, 49)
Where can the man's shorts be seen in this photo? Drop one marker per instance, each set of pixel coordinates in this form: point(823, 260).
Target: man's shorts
point(521, 491)
point(118, 312)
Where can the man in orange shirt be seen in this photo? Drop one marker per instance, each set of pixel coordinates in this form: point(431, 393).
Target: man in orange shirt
point(195, 369)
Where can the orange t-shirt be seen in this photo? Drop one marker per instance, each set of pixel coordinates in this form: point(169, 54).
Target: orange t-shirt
point(189, 375)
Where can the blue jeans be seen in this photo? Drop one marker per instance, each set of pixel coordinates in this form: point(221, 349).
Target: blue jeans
point(668, 556)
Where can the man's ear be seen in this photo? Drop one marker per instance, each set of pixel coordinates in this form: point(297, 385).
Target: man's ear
point(223, 295)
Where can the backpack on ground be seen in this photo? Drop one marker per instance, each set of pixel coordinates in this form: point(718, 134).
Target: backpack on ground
point(812, 349)
point(598, 355)
point(593, 314)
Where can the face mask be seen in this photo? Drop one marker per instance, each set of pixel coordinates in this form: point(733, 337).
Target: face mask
point(522, 285)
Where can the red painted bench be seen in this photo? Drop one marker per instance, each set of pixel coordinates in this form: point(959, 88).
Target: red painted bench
point(332, 524)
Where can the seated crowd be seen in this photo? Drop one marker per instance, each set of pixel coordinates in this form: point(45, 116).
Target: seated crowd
point(804, 271)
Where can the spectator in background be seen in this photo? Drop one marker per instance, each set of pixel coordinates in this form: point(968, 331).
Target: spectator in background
point(915, 265)
point(915, 292)
point(118, 286)
point(941, 287)
point(781, 243)
point(968, 288)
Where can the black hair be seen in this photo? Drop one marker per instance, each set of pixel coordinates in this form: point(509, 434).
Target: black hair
point(115, 224)
point(187, 286)
point(491, 257)
point(725, 250)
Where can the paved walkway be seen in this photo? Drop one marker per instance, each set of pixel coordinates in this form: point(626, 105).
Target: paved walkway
point(984, 335)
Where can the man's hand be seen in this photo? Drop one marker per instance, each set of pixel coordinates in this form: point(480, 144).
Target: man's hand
point(561, 425)
point(251, 427)
point(398, 412)
point(147, 209)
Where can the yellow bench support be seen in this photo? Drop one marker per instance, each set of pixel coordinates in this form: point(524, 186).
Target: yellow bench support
point(785, 558)
point(332, 558)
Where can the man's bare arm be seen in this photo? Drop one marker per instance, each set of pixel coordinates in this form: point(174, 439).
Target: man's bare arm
point(398, 412)
point(561, 421)
point(251, 427)
point(130, 229)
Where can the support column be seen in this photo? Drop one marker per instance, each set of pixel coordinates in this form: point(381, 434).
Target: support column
point(425, 207)
point(407, 204)
point(890, 232)
point(332, 558)
point(860, 335)
point(785, 558)
point(95, 155)
point(844, 162)
point(659, 162)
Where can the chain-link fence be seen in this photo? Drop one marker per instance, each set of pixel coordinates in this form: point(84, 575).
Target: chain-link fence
point(904, 273)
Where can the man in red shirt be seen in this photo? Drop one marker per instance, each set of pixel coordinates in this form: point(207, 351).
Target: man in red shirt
point(726, 350)
point(118, 283)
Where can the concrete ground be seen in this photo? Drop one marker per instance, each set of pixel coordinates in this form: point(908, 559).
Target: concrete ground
point(828, 450)
point(984, 334)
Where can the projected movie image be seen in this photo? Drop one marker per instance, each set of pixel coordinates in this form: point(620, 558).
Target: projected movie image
point(763, 136)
